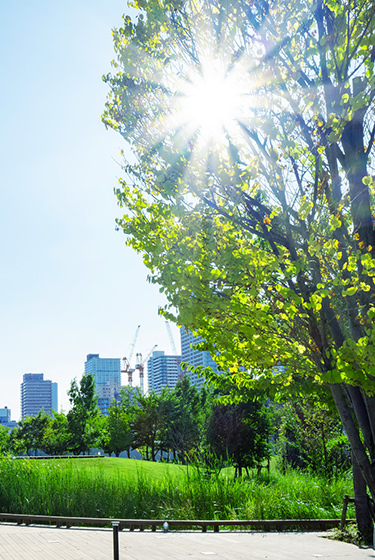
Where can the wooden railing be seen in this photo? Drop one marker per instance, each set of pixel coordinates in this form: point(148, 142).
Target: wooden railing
point(346, 502)
point(203, 524)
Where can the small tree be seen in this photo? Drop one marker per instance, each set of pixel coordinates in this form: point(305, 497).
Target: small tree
point(55, 437)
point(117, 435)
point(31, 431)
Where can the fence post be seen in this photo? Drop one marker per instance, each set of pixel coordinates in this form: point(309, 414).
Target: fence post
point(344, 510)
point(115, 525)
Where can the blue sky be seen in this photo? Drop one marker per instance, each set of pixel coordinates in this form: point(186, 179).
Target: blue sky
point(68, 284)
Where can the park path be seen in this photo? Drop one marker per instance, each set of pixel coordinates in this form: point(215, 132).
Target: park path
point(51, 543)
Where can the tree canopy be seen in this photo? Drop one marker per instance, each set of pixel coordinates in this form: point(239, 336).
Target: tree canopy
point(249, 187)
point(240, 433)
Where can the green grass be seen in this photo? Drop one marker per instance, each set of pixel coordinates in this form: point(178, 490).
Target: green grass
point(125, 488)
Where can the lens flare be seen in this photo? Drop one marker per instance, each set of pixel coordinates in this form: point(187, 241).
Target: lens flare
point(211, 101)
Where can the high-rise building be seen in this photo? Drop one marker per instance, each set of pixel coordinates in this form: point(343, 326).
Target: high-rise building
point(194, 357)
point(5, 418)
point(37, 394)
point(4, 415)
point(107, 376)
point(162, 371)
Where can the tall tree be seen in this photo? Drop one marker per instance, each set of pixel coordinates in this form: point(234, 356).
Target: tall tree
point(254, 212)
point(187, 418)
point(82, 418)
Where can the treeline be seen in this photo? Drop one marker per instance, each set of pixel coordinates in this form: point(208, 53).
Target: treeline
point(186, 424)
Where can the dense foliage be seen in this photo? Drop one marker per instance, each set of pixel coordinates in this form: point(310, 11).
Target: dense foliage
point(258, 222)
point(240, 434)
point(311, 438)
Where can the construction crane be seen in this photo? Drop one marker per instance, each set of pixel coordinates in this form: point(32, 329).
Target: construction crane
point(173, 346)
point(140, 366)
point(126, 361)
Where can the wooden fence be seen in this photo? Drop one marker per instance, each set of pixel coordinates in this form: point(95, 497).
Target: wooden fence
point(179, 524)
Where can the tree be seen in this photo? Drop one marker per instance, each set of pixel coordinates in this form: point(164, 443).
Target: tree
point(147, 424)
point(83, 428)
point(179, 409)
point(259, 230)
point(55, 436)
point(311, 437)
point(30, 432)
point(4, 440)
point(186, 419)
point(117, 435)
point(16, 444)
point(240, 433)
point(127, 397)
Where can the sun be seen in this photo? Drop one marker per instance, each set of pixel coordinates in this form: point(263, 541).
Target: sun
point(211, 101)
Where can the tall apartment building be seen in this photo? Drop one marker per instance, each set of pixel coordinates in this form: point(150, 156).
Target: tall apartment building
point(107, 376)
point(37, 394)
point(194, 357)
point(162, 371)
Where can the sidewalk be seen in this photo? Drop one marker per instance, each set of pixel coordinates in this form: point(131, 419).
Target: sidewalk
point(51, 543)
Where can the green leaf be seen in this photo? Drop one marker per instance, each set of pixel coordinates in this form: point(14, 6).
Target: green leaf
point(350, 291)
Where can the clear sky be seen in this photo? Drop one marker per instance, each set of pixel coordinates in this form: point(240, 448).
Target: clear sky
point(68, 284)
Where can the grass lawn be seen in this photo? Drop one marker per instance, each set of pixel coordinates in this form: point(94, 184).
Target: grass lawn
point(113, 468)
point(127, 488)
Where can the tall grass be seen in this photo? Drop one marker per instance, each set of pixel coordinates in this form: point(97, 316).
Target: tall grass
point(121, 488)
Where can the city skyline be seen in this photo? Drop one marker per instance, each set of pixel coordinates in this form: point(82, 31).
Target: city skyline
point(65, 404)
point(69, 284)
point(109, 373)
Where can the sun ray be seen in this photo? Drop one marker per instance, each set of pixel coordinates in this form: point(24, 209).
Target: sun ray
point(210, 100)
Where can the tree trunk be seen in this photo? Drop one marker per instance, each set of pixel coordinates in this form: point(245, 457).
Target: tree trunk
point(362, 416)
point(362, 510)
point(358, 449)
point(370, 406)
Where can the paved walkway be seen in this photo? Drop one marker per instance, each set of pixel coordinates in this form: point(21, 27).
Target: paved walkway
point(51, 543)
